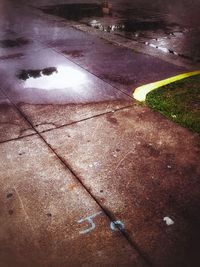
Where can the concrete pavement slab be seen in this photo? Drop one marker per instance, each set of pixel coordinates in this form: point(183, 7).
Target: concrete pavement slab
point(12, 124)
point(144, 170)
point(52, 91)
point(48, 218)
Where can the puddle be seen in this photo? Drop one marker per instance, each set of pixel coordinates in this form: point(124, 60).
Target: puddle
point(130, 27)
point(75, 11)
point(107, 28)
point(141, 22)
point(9, 43)
point(26, 74)
point(135, 26)
point(53, 78)
point(146, 33)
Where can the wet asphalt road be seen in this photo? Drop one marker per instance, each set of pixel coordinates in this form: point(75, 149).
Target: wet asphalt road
point(88, 177)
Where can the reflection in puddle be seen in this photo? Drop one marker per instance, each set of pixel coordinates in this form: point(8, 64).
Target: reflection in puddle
point(134, 27)
point(54, 78)
point(107, 28)
point(26, 74)
point(139, 31)
point(147, 25)
point(75, 11)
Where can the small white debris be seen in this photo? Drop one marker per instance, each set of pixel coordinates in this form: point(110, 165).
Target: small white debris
point(173, 116)
point(169, 166)
point(168, 221)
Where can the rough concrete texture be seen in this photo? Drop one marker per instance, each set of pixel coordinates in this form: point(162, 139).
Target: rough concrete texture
point(41, 204)
point(88, 177)
point(133, 163)
point(12, 125)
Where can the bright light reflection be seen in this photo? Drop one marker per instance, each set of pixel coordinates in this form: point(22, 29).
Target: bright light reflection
point(65, 77)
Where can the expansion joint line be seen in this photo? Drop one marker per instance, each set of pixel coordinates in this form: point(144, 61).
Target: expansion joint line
point(107, 213)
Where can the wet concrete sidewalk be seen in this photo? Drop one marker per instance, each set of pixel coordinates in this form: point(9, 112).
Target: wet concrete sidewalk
point(88, 177)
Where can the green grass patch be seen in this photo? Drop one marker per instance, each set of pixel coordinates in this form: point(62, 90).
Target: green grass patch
point(179, 101)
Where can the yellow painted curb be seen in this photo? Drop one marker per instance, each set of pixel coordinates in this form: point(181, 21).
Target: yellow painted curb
point(141, 92)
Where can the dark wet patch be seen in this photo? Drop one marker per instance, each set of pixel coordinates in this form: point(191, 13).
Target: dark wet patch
point(111, 119)
point(9, 43)
point(73, 53)
point(10, 212)
point(75, 11)
point(151, 150)
point(9, 195)
point(13, 56)
point(118, 79)
point(26, 74)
